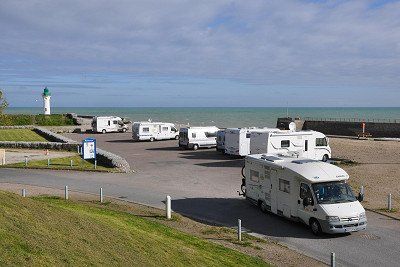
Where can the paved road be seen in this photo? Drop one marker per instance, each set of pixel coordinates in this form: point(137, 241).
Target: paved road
point(203, 185)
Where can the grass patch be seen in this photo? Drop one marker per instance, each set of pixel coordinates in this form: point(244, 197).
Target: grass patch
point(41, 120)
point(78, 164)
point(393, 210)
point(26, 135)
point(46, 231)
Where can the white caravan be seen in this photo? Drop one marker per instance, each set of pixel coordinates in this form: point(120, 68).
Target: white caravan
point(221, 140)
point(108, 124)
point(196, 137)
point(151, 131)
point(313, 192)
point(237, 140)
point(308, 144)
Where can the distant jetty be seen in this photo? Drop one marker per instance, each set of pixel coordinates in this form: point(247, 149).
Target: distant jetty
point(377, 128)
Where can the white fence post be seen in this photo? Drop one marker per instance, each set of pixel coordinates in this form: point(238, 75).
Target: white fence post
point(333, 259)
point(95, 164)
point(48, 162)
point(66, 192)
point(26, 161)
point(389, 202)
point(23, 192)
point(168, 207)
point(101, 194)
point(72, 163)
point(362, 190)
point(239, 230)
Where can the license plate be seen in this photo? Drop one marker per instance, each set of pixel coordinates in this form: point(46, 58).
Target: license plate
point(351, 229)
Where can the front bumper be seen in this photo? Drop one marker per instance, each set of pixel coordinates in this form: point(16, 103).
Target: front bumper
point(343, 227)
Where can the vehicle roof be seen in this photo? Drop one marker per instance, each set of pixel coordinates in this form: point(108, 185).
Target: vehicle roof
point(278, 132)
point(201, 128)
point(252, 129)
point(107, 117)
point(148, 122)
point(311, 170)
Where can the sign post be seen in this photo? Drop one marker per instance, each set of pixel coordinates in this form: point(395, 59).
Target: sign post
point(89, 149)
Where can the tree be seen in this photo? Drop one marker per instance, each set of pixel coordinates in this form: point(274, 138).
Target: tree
point(3, 102)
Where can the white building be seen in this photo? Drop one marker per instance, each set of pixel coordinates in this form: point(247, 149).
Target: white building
point(46, 101)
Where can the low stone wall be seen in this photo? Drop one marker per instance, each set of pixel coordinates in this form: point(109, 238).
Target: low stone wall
point(112, 160)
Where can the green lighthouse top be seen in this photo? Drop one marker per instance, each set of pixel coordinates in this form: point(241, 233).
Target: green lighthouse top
point(46, 92)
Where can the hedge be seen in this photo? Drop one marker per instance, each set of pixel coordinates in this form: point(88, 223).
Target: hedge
point(41, 120)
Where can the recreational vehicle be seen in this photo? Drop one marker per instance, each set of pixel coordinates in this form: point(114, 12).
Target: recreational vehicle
point(308, 144)
point(313, 192)
point(237, 140)
point(196, 137)
point(151, 131)
point(108, 125)
point(221, 140)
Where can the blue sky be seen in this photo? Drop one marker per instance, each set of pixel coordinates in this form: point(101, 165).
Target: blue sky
point(201, 53)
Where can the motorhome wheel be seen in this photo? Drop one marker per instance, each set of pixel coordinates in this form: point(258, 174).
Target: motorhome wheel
point(152, 139)
point(104, 131)
point(325, 158)
point(315, 227)
point(177, 137)
point(263, 207)
point(124, 130)
point(195, 147)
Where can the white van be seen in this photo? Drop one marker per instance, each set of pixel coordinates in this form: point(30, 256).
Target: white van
point(108, 124)
point(196, 137)
point(151, 131)
point(221, 141)
point(313, 192)
point(308, 144)
point(237, 140)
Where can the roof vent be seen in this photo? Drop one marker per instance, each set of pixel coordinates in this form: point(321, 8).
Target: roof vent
point(270, 158)
point(303, 161)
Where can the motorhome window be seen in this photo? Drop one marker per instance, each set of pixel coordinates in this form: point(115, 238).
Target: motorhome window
point(306, 145)
point(109, 123)
point(165, 129)
point(321, 142)
point(174, 129)
point(248, 135)
point(146, 129)
point(254, 176)
point(305, 191)
point(193, 135)
point(284, 186)
point(115, 122)
point(333, 192)
point(285, 143)
point(210, 134)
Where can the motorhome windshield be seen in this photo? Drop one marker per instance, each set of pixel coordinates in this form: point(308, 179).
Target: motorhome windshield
point(333, 192)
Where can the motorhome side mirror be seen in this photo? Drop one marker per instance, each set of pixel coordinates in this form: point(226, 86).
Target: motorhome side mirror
point(360, 197)
point(307, 201)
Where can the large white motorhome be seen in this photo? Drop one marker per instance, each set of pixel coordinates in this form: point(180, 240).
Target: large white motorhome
point(221, 141)
point(196, 137)
point(108, 124)
point(151, 131)
point(237, 140)
point(308, 144)
point(313, 192)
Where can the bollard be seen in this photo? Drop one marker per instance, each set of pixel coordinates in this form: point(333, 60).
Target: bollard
point(48, 162)
point(66, 192)
point(390, 202)
point(168, 207)
point(95, 164)
point(79, 150)
point(26, 161)
point(362, 190)
point(239, 230)
point(23, 193)
point(72, 163)
point(101, 195)
point(333, 259)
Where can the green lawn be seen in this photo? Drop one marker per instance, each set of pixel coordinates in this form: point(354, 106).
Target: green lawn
point(78, 164)
point(46, 231)
point(20, 135)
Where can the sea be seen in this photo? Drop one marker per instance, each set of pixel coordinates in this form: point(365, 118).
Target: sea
point(223, 116)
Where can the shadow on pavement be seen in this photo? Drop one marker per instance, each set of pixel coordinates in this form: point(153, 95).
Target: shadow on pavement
point(228, 163)
point(204, 154)
point(226, 211)
point(173, 148)
point(121, 141)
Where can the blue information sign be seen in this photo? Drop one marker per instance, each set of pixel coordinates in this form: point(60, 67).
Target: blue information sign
point(89, 148)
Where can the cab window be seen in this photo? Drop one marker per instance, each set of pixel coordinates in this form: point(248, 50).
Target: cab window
point(321, 142)
point(305, 191)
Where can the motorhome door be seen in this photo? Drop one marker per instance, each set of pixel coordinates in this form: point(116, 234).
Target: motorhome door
point(305, 212)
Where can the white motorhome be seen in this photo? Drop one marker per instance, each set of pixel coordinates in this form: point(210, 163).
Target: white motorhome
point(308, 144)
point(151, 131)
point(237, 140)
point(221, 141)
point(313, 192)
point(196, 137)
point(108, 124)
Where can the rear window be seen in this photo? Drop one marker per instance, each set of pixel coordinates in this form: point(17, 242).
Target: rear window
point(285, 143)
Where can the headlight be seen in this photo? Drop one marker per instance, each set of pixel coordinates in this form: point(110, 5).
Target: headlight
point(332, 218)
point(362, 215)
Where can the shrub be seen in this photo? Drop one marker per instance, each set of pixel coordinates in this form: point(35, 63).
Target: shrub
point(41, 120)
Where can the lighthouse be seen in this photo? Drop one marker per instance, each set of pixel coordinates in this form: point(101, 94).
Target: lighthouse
point(46, 101)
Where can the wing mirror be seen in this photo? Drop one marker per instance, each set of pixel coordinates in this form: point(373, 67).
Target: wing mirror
point(360, 197)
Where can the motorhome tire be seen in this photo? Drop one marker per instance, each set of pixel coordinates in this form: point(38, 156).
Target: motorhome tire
point(177, 137)
point(195, 147)
point(325, 158)
point(103, 131)
point(124, 130)
point(315, 227)
point(152, 139)
point(263, 207)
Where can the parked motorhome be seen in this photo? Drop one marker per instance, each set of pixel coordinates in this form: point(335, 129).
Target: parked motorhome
point(151, 131)
point(308, 144)
point(237, 140)
point(108, 124)
point(221, 140)
point(196, 137)
point(313, 192)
